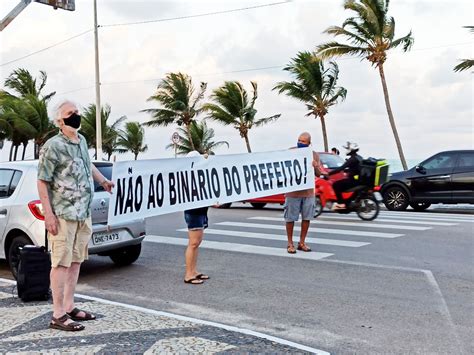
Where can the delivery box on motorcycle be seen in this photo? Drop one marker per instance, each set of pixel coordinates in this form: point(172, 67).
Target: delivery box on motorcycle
point(373, 172)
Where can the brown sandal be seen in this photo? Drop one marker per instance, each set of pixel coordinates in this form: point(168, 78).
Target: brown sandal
point(59, 323)
point(73, 315)
point(291, 249)
point(303, 247)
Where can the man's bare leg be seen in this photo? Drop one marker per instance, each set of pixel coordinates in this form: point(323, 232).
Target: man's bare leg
point(191, 255)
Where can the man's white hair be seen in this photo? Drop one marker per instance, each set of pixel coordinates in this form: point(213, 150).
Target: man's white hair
point(58, 110)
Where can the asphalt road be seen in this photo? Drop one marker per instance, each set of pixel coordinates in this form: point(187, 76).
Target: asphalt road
point(401, 284)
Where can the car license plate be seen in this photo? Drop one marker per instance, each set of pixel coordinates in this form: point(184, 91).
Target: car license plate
point(105, 238)
point(378, 196)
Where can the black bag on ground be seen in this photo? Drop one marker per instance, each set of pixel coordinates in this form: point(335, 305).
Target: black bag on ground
point(33, 273)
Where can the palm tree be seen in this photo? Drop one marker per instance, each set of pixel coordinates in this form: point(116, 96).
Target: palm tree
point(109, 133)
point(178, 102)
point(371, 34)
point(232, 107)
point(465, 64)
point(131, 139)
point(28, 107)
point(314, 85)
point(201, 135)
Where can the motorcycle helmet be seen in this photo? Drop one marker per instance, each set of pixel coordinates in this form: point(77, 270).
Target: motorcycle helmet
point(351, 147)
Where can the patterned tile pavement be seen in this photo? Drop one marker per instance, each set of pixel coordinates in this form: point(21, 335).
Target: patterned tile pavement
point(120, 329)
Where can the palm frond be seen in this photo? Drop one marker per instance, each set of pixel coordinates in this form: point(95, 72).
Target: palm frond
point(263, 121)
point(466, 64)
point(335, 49)
point(339, 31)
point(406, 41)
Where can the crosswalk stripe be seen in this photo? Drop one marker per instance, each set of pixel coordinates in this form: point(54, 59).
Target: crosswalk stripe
point(427, 218)
point(317, 230)
point(428, 214)
point(351, 224)
point(353, 218)
point(321, 241)
point(241, 248)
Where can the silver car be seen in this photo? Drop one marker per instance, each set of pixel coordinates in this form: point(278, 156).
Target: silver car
point(22, 220)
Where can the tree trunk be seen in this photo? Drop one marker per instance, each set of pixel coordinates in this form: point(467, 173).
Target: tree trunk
point(391, 119)
point(11, 153)
point(325, 135)
point(247, 142)
point(188, 130)
point(16, 152)
point(24, 151)
point(136, 156)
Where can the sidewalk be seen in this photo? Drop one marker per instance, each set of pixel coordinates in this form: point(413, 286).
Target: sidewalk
point(125, 329)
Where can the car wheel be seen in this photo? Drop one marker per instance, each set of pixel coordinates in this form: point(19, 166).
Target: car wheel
point(368, 208)
point(127, 255)
point(258, 205)
point(396, 199)
point(318, 207)
point(14, 252)
point(420, 206)
point(225, 205)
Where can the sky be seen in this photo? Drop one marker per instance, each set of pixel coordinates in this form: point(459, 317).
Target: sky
point(432, 105)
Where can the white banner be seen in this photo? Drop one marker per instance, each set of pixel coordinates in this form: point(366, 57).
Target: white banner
point(145, 188)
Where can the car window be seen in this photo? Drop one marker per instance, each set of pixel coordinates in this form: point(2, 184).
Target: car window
point(440, 161)
point(331, 161)
point(5, 180)
point(14, 183)
point(106, 170)
point(466, 160)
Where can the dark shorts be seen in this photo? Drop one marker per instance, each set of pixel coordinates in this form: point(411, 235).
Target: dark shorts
point(195, 222)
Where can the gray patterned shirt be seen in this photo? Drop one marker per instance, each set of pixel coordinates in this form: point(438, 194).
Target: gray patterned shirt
point(66, 166)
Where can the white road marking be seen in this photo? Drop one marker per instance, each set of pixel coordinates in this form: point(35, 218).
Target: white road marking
point(423, 215)
point(351, 224)
point(321, 241)
point(317, 230)
point(241, 248)
point(325, 216)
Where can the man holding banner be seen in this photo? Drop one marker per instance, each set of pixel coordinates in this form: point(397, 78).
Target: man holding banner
point(301, 202)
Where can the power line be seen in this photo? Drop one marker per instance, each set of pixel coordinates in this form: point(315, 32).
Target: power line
point(244, 70)
point(46, 48)
point(144, 22)
point(197, 15)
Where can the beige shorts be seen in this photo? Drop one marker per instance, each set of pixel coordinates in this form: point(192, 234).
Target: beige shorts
point(70, 244)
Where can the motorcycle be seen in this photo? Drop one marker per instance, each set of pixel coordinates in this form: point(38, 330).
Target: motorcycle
point(362, 199)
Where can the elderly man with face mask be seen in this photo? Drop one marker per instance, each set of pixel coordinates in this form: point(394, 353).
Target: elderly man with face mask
point(65, 187)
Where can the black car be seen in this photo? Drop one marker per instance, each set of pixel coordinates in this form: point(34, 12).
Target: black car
point(446, 177)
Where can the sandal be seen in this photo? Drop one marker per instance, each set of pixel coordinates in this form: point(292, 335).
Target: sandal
point(60, 324)
point(303, 247)
point(194, 281)
point(202, 277)
point(73, 315)
point(291, 249)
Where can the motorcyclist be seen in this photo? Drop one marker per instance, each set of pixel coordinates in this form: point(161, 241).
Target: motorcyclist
point(352, 169)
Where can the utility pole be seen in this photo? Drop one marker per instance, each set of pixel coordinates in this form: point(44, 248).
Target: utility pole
point(98, 109)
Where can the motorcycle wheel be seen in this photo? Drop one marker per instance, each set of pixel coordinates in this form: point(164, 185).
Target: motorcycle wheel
point(368, 208)
point(318, 207)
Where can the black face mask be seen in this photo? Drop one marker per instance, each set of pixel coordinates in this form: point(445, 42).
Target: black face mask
point(73, 121)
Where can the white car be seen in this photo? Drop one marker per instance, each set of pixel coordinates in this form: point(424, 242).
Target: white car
point(22, 220)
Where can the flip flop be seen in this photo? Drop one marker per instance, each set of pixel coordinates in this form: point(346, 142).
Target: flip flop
point(59, 323)
point(192, 281)
point(73, 315)
point(202, 277)
point(291, 249)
